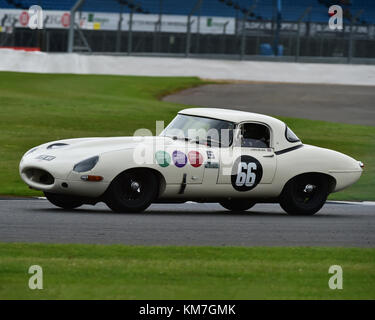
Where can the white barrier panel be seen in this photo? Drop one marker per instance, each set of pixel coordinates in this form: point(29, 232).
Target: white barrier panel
point(39, 62)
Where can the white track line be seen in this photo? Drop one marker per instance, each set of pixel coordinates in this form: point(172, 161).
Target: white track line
point(363, 203)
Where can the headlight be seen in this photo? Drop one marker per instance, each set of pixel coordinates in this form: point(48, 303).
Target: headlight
point(86, 165)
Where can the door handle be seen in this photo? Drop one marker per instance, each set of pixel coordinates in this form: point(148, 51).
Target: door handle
point(269, 156)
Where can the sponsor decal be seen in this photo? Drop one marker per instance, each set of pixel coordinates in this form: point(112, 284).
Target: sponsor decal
point(212, 165)
point(110, 21)
point(195, 159)
point(65, 19)
point(24, 18)
point(246, 173)
point(210, 155)
point(179, 159)
point(162, 158)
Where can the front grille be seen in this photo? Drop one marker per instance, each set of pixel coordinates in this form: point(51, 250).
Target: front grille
point(39, 176)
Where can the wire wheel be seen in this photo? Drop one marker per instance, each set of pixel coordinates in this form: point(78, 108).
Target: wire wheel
point(304, 195)
point(132, 191)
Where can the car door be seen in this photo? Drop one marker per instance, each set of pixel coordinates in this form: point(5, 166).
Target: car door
point(184, 164)
point(251, 159)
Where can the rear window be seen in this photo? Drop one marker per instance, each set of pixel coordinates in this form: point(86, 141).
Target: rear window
point(291, 136)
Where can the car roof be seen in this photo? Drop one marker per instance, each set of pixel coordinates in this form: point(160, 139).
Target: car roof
point(278, 127)
point(232, 115)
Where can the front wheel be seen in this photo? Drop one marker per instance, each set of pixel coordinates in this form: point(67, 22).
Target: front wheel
point(63, 201)
point(237, 204)
point(132, 191)
point(304, 195)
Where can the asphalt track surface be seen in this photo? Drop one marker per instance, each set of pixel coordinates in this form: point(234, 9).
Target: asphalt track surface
point(334, 103)
point(337, 224)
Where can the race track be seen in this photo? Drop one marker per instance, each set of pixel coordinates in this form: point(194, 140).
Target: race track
point(335, 103)
point(337, 224)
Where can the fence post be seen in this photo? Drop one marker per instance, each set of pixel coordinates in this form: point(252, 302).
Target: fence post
point(350, 44)
point(187, 49)
point(299, 32)
point(278, 27)
point(73, 11)
point(119, 27)
point(198, 31)
point(160, 25)
point(188, 31)
point(224, 38)
point(156, 42)
point(130, 35)
point(243, 38)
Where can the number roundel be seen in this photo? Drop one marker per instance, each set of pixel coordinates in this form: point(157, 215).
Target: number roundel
point(195, 159)
point(246, 173)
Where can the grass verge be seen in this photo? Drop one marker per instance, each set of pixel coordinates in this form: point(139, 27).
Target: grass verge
point(36, 108)
point(133, 272)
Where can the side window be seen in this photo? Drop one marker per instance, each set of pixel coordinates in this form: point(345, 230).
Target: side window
point(255, 135)
point(291, 136)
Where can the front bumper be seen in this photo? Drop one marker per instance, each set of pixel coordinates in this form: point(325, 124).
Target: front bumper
point(57, 177)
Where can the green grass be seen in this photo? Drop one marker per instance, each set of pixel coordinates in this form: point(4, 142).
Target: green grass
point(127, 272)
point(36, 108)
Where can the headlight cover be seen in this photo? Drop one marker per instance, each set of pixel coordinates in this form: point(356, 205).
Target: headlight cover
point(31, 151)
point(86, 165)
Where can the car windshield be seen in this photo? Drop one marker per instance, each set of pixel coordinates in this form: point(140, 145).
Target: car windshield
point(207, 131)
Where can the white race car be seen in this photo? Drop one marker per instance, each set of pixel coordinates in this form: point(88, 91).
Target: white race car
point(231, 157)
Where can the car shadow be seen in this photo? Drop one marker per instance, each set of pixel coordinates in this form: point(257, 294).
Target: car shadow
point(164, 213)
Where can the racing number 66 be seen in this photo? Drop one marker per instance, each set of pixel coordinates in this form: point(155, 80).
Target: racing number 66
point(245, 174)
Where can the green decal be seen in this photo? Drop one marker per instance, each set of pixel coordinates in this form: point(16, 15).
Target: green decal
point(163, 158)
point(209, 22)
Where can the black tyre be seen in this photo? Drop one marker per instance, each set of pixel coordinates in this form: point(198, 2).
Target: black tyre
point(63, 201)
point(237, 204)
point(304, 195)
point(132, 191)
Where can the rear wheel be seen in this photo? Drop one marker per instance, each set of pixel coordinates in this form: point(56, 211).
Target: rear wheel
point(132, 191)
point(63, 201)
point(237, 204)
point(304, 195)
